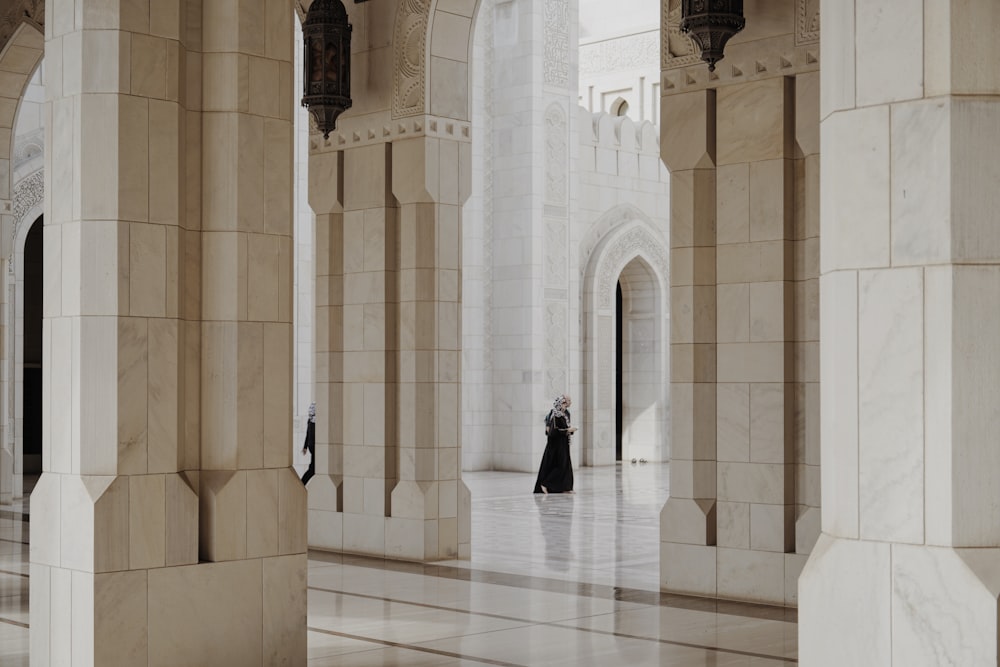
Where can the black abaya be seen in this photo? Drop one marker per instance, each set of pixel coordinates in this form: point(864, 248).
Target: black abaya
point(556, 471)
point(310, 444)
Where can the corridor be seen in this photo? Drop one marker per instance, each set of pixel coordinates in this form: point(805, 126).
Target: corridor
point(557, 580)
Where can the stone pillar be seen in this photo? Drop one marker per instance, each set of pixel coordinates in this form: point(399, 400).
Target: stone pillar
point(389, 353)
point(370, 283)
point(688, 520)
point(806, 417)
point(906, 568)
point(741, 144)
point(326, 502)
point(431, 506)
point(156, 537)
point(755, 330)
point(11, 480)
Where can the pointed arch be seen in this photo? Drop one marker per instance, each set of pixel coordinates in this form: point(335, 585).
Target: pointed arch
point(428, 64)
point(624, 243)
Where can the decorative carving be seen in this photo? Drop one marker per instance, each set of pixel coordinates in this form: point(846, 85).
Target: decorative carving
point(29, 192)
point(556, 245)
point(556, 42)
point(678, 49)
point(555, 348)
point(28, 147)
point(410, 50)
point(807, 25)
point(601, 229)
point(17, 12)
point(556, 155)
point(605, 365)
point(625, 53)
point(636, 241)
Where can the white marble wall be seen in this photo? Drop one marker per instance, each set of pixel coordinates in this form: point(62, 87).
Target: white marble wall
point(620, 58)
point(544, 196)
point(909, 287)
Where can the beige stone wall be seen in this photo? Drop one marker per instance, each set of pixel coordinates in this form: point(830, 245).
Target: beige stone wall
point(168, 516)
point(387, 188)
point(742, 148)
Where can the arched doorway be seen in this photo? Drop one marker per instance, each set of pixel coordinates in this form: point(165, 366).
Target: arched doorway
point(28, 427)
point(626, 383)
point(640, 401)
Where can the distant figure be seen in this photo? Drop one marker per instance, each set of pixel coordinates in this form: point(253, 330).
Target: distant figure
point(310, 444)
point(555, 474)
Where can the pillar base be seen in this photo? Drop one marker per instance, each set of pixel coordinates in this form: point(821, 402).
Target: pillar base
point(173, 615)
point(877, 603)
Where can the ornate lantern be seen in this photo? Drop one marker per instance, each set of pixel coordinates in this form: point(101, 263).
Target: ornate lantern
point(711, 23)
point(327, 85)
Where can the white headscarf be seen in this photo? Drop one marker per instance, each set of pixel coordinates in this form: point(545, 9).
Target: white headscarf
point(559, 406)
point(312, 413)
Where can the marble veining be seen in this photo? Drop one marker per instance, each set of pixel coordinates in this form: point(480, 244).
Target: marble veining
point(561, 580)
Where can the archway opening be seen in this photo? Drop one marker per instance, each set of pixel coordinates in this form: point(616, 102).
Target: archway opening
point(639, 396)
point(618, 371)
point(31, 350)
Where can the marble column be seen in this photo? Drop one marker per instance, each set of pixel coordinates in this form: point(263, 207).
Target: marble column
point(389, 354)
point(431, 506)
point(156, 537)
point(688, 520)
point(906, 570)
point(11, 481)
point(755, 329)
point(742, 147)
point(326, 501)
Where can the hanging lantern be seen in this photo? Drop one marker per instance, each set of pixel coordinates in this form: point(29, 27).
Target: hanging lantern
point(327, 63)
point(711, 23)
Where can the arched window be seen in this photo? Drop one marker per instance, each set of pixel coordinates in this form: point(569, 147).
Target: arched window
point(619, 107)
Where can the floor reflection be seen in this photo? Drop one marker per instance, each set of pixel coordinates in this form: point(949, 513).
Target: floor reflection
point(556, 580)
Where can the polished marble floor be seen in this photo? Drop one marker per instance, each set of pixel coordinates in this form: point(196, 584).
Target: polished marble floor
point(556, 580)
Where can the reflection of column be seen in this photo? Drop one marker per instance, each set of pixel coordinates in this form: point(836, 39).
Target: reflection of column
point(906, 567)
point(687, 521)
point(167, 343)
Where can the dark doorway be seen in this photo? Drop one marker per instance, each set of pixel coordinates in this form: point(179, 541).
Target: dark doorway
point(32, 351)
point(618, 372)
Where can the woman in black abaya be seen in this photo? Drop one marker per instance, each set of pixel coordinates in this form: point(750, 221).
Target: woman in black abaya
point(555, 475)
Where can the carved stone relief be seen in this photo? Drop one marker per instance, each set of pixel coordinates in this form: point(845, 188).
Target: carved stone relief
point(633, 242)
point(605, 369)
point(555, 348)
point(632, 52)
point(29, 192)
point(678, 49)
point(556, 155)
point(807, 24)
point(18, 12)
point(555, 252)
point(617, 216)
point(409, 47)
point(556, 42)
